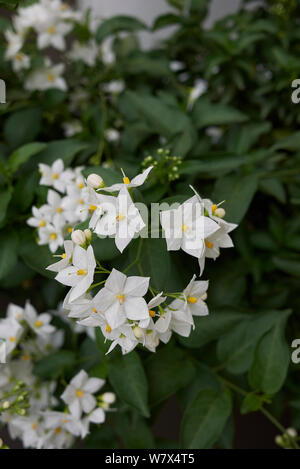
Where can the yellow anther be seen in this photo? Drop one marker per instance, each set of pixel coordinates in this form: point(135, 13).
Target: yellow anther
point(192, 299)
point(108, 328)
point(57, 430)
point(64, 255)
point(209, 245)
point(126, 180)
point(33, 426)
point(42, 224)
point(38, 323)
point(120, 217)
point(19, 56)
point(214, 207)
point(12, 339)
point(54, 175)
point(26, 357)
point(151, 313)
point(81, 272)
point(69, 229)
point(121, 298)
point(81, 185)
point(64, 421)
point(51, 77)
point(185, 228)
point(53, 236)
point(51, 30)
point(93, 208)
point(80, 201)
point(59, 210)
point(79, 393)
point(95, 311)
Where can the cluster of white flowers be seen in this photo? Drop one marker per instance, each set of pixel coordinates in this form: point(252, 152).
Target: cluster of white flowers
point(51, 21)
point(30, 337)
point(197, 226)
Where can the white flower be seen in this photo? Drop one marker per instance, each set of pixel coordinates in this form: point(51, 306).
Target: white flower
point(86, 52)
point(136, 182)
point(122, 220)
point(10, 331)
point(66, 258)
point(54, 207)
point(72, 128)
point(31, 430)
point(80, 275)
point(122, 297)
point(213, 243)
point(108, 55)
point(156, 301)
point(40, 217)
point(78, 237)
point(53, 34)
point(114, 87)
point(38, 323)
point(186, 227)
point(16, 312)
point(47, 77)
point(124, 337)
point(55, 175)
point(52, 235)
point(96, 416)
point(195, 296)
point(199, 88)
point(15, 44)
point(62, 421)
point(20, 62)
point(112, 135)
point(79, 393)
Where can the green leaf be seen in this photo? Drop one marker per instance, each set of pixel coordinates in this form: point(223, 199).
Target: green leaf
point(211, 327)
point(134, 432)
point(64, 149)
point(206, 114)
point(37, 257)
point(168, 370)
point(212, 165)
point(51, 366)
point(5, 197)
point(247, 135)
point(118, 23)
point(273, 187)
point(289, 265)
point(22, 126)
point(272, 358)
point(165, 20)
point(236, 348)
point(127, 376)
point(204, 420)
point(21, 155)
point(9, 252)
point(291, 143)
point(238, 192)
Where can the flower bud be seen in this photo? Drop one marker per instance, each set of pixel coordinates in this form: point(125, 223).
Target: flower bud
point(95, 181)
point(108, 397)
point(78, 237)
point(6, 405)
point(138, 332)
point(220, 212)
point(88, 235)
point(291, 432)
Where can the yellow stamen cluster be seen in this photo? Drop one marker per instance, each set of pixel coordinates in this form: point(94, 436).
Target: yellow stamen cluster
point(209, 245)
point(126, 180)
point(38, 324)
point(185, 228)
point(81, 272)
point(151, 313)
point(54, 175)
point(52, 30)
point(93, 208)
point(121, 298)
point(192, 299)
point(120, 217)
point(214, 208)
point(12, 339)
point(64, 255)
point(53, 236)
point(79, 393)
point(42, 224)
point(95, 311)
point(81, 185)
point(59, 210)
point(108, 328)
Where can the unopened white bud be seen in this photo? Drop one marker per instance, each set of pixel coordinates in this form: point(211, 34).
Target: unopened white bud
point(1, 443)
point(204, 296)
point(108, 397)
point(78, 237)
point(88, 234)
point(279, 440)
point(138, 332)
point(95, 181)
point(291, 432)
point(6, 405)
point(220, 212)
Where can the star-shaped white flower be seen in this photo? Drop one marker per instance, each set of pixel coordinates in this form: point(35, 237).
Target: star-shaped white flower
point(79, 393)
point(135, 182)
point(40, 324)
point(122, 298)
point(66, 258)
point(55, 175)
point(80, 274)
